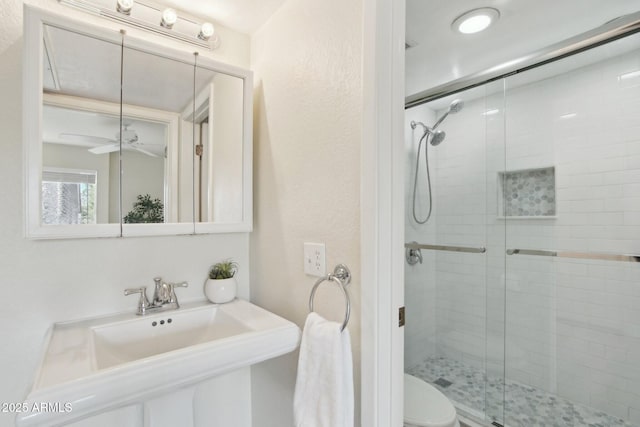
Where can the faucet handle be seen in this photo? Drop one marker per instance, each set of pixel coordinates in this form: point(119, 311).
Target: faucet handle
point(143, 302)
point(172, 291)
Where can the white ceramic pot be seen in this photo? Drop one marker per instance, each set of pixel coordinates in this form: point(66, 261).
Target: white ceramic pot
point(220, 291)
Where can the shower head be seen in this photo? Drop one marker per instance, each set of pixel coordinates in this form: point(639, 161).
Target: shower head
point(414, 124)
point(455, 107)
point(437, 137)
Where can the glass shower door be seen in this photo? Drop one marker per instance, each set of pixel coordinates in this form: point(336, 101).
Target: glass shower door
point(454, 289)
point(570, 196)
point(542, 169)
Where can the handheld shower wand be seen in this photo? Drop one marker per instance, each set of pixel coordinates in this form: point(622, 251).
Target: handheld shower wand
point(437, 136)
point(455, 106)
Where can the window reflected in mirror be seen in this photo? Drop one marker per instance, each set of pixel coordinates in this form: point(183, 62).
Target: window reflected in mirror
point(69, 196)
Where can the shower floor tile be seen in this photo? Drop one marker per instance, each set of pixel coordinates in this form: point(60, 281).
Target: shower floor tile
point(525, 406)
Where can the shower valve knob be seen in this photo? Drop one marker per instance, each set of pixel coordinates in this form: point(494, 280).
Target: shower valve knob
point(413, 256)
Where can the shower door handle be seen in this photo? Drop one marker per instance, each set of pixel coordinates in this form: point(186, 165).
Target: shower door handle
point(465, 249)
point(576, 255)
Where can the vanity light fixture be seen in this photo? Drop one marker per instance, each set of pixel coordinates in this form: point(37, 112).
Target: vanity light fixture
point(206, 31)
point(475, 20)
point(153, 17)
point(124, 6)
point(169, 17)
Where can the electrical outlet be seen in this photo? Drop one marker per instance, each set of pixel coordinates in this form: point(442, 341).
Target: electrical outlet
point(314, 259)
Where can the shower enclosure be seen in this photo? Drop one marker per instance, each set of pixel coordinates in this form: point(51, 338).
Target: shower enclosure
point(523, 302)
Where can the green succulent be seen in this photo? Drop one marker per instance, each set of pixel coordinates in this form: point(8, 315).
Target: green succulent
point(223, 270)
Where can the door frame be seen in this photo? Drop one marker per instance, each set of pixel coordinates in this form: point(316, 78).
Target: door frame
point(382, 213)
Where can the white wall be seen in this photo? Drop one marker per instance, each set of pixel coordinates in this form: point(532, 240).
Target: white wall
point(307, 131)
point(572, 326)
point(49, 281)
point(141, 174)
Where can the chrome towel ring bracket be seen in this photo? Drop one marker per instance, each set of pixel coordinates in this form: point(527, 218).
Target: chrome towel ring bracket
point(342, 276)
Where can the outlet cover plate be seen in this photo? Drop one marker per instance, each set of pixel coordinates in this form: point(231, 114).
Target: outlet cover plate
point(314, 259)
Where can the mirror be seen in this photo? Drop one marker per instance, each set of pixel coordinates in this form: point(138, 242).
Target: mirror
point(124, 137)
point(218, 163)
point(79, 187)
point(157, 178)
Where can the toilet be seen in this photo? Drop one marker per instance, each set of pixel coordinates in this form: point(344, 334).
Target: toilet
point(426, 406)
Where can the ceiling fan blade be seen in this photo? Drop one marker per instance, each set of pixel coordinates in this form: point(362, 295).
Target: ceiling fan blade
point(148, 153)
point(74, 137)
point(105, 149)
point(146, 144)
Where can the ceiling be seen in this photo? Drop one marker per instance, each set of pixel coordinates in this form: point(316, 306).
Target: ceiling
point(245, 16)
point(86, 67)
point(440, 55)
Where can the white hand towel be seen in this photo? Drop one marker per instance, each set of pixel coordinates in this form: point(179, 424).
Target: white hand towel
point(324, 386)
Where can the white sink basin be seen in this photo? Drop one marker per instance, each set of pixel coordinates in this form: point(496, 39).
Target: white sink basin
point(108, 362)
point(135, 339)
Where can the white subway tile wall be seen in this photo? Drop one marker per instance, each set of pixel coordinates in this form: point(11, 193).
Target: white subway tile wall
point(570, 327)
point(420, 282)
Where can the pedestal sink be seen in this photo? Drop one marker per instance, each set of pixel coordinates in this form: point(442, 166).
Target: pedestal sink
point(94, 365)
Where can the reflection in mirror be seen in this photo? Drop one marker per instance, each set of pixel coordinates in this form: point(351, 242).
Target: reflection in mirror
point(115, 124)
point(78, 187)
point(156, 184)
point(218, 183)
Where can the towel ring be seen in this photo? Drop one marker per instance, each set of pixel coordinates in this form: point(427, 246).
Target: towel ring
point(342, 276)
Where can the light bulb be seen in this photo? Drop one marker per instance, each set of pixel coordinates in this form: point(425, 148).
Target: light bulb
point(206, 31)
point(124, 6)
point(476, 20)
point(169, 17)
point(475, 24)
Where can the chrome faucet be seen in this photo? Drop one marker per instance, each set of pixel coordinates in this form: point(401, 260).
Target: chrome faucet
point(164, 296)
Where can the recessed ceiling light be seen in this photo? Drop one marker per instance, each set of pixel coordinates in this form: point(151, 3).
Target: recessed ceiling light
point(476, 20)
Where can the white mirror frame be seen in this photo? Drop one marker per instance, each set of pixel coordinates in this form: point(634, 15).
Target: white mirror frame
point(34, 20)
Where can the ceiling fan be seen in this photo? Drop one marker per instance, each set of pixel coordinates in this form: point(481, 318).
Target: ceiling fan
point(130, 141)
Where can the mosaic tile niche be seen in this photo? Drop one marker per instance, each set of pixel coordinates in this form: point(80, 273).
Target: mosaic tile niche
point(528, 193)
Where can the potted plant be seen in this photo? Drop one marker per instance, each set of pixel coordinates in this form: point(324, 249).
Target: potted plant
point(145, 210)
point(221, 285)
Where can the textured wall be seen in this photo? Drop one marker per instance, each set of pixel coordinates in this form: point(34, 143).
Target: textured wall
point(307, 132)
point(48, 281)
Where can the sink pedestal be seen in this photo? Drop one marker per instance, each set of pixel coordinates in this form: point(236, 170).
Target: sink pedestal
point(170, 410)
